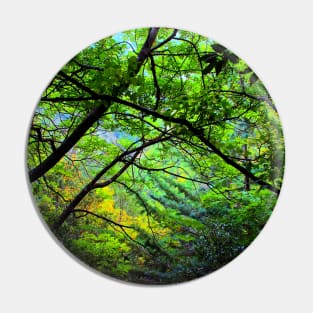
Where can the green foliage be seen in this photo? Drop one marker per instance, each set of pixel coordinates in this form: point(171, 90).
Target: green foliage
point(104, 252)
point(202, 187)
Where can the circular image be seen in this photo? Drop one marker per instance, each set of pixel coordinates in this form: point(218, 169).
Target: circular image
point(155, 156)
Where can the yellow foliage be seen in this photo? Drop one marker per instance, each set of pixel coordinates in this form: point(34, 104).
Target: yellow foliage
point(145, 224)
point(105, 192)
point(180, 179)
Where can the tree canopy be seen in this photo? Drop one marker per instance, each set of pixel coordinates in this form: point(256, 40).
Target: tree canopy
point(155, 155)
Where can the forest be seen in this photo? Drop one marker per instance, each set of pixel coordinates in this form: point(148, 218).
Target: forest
point(155, 156)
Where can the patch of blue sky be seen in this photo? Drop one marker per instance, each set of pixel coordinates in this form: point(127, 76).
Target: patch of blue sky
point(115, 135)
point(130, 46)
point(118, 37)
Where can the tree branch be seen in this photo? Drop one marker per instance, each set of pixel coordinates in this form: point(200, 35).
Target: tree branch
point(68, 143)
point(81, 195)
point(165, 41)
point(156, 84)
point(92, 117)
point(78, 84)
point(102, 217)
point(199, 134)
point(118, 174)
point(146, 49)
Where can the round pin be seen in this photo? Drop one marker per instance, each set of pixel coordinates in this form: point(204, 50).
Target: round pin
point(155, 156)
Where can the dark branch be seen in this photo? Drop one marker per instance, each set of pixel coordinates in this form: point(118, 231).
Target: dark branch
point(156, 84)
point(100, 216)
point(165, 41)
point(78, 84)
point(146, 49)
point(92, 117)
point(53, 190)
point(91, 185)
point(68, 143)
point(118, 174)
point(199, 134)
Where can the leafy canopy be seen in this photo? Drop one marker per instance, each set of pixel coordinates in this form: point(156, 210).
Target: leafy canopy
point(156, 155)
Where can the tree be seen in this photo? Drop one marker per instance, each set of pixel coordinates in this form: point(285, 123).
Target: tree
point(183, 133)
